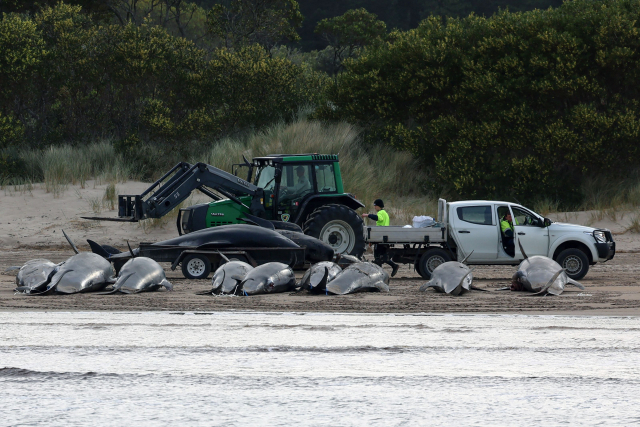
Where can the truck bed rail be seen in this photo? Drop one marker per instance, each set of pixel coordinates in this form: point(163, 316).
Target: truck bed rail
point(401, 235)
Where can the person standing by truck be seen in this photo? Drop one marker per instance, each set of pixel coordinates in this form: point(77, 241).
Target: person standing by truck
point(381, 217)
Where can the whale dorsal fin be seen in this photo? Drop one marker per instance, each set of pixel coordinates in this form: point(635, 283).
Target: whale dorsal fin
point(522, 250)
point(130, 250)
point(223, 256)
point(71, 243)
point(466, 258)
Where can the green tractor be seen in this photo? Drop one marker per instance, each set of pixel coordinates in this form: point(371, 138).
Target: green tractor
point(301, 189)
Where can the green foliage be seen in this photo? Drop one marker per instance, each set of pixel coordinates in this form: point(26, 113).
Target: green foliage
point(21, 52)
point(11, 131)
point(245, 22)
point(248, 88)
point(348, 33)
point(66, 78)
point(512, 106)
point(11, 165)
point(404, 14)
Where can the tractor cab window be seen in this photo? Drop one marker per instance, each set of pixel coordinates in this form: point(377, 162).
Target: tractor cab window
point(296, 183)
point(325, 178)
point(265, 178)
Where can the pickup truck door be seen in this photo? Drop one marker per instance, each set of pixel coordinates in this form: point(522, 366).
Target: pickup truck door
point(531, 233)
point(474, 230)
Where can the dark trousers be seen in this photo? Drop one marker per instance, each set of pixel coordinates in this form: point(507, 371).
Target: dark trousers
point(381, 256)
point(508, 243)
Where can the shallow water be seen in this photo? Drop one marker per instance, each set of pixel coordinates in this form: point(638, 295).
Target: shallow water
point(81, 368)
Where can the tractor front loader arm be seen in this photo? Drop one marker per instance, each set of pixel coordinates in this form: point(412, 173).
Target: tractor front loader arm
point(177, 184)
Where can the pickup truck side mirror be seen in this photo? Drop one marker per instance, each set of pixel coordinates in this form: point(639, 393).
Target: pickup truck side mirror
point(278, 175)
point(547, 222)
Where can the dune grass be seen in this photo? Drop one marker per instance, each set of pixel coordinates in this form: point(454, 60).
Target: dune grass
point(58, 166)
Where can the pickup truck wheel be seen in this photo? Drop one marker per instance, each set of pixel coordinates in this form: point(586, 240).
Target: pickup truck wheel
point(337, 226)
point(575, 262)
point(430, 260)
point(196, 267)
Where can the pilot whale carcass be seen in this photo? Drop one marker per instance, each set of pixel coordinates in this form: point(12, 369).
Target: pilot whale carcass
point(269, 278)
point(541, 275)
point(315, 249)
point(451, 277)
point(83, 272)
point(315, 279)
point(228, 277)
point(220, 237)
point(34, 275)
point(140, 274)
point(360, 277)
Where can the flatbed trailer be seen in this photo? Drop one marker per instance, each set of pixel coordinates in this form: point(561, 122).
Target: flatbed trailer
point(425, 248)
point(198, 262)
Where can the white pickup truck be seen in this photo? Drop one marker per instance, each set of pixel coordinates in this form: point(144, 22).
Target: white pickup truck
point(473, 227)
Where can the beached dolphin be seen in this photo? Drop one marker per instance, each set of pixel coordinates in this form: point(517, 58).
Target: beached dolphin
point(269, 278)
point(140, 274)
point(315, 279)
point(228, 277)
point(318, 275)
point(541, 275)
point(361, 277)
point(34, 275)
point(223, 236)
point(451, 277)
point(344, 260)
point(316, 250)
point(83, 272)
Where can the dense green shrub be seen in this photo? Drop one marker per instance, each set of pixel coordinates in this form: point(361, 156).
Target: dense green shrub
point(65, 78)
point(516, 105)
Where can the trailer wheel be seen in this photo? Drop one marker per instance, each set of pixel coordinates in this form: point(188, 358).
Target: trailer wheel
point(339, 227)
point(196, 267)
point(575, 262)
point(430, 260)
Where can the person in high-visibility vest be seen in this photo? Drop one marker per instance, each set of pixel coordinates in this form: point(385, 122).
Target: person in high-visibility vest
point(381, 217)
point(506, 226)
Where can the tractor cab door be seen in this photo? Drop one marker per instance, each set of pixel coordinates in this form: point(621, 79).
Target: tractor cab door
point(266, 179)
point(296, 183)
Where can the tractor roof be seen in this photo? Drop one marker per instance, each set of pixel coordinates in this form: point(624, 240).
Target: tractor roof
point(309, 157)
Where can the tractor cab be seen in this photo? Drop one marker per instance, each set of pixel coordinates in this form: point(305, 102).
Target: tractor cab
point(289, 181)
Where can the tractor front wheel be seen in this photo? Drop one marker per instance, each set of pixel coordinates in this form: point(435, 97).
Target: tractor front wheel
point(339, 227)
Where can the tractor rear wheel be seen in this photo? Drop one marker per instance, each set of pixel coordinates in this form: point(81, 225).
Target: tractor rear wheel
point(339, 227)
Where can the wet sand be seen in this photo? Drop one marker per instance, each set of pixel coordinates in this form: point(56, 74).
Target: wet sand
point(612, 289)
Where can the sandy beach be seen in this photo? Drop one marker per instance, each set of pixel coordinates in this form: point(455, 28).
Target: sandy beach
point(31, 223)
